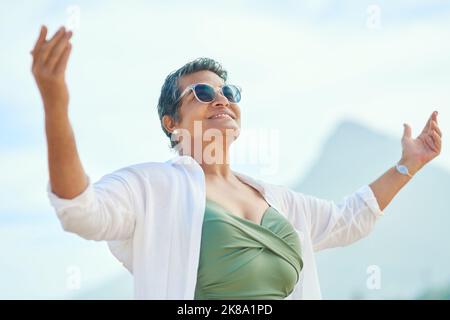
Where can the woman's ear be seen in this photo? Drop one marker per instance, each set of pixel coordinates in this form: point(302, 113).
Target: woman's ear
point(169, 123)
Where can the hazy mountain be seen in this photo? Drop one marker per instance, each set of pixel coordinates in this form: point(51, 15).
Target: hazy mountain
point(442, 293)
point(410, 244)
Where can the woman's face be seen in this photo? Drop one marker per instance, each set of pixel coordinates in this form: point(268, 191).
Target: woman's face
point(196, 117)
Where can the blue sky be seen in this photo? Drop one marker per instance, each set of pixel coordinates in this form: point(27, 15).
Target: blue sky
point(304, 66)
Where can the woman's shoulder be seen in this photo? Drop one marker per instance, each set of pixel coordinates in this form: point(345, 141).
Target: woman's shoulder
point(289, 198)
point(139, 169)
point(163, 173)
point(283, 195)
point(150, 166)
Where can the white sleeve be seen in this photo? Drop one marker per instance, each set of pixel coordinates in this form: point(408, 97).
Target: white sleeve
point(338, 224)
point(105, 210)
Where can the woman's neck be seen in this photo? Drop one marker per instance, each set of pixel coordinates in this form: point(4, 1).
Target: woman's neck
point(222, 171)
point(214, 160)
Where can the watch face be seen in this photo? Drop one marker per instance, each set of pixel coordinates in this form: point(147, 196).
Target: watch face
point(402, 169)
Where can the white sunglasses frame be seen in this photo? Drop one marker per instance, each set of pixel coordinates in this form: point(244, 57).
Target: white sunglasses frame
point(192, 87)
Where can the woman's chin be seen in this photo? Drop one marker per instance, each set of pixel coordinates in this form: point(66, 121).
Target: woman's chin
point(225, 128)
point(222, 124)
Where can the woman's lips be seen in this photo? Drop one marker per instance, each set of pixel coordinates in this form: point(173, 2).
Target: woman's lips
point(220, 116)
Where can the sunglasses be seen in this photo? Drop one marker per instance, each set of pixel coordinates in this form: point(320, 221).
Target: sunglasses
point(206, 93)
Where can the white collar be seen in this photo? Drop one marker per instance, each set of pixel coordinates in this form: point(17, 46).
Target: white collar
point(255, 183)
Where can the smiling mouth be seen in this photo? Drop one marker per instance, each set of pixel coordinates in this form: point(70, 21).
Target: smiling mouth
point(221, 116)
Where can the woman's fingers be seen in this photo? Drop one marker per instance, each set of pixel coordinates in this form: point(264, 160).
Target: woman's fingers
point(49, 45)
point(51, 55)
point(57, 51)
point(430, 143)
point(40, 41)
point(62, 63)
point(436, 139)
point(434, 126)
point(427, 127)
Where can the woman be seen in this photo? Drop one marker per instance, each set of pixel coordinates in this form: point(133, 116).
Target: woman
point(191, 227)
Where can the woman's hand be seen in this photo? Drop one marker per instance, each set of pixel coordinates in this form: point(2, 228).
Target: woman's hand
point(48, 68)
point(416, 153)
point(421, 150)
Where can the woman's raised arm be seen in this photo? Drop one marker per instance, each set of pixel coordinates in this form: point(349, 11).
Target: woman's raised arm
point(416, 153)
point(101, 211)
point(50, 58)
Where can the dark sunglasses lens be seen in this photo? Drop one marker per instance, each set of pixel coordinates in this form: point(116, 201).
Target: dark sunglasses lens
point(204, 93)
point(232, 93)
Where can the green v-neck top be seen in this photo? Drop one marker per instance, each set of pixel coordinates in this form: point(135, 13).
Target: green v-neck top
point(240, 259)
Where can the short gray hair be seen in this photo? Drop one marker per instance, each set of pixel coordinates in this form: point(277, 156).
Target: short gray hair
point(169, 103)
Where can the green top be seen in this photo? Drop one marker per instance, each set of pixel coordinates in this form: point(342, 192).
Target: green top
point(240, 259)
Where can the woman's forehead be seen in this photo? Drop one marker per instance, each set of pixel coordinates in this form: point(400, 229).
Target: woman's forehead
point(204, 76)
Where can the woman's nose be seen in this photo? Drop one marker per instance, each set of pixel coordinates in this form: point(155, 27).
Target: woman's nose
point(221, 99)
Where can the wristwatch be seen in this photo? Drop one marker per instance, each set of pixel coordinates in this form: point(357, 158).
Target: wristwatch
point(403, 170)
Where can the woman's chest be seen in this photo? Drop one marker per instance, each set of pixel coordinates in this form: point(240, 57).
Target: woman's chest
point(243, 201)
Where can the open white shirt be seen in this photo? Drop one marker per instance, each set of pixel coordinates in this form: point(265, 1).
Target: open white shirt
point(151, 216)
